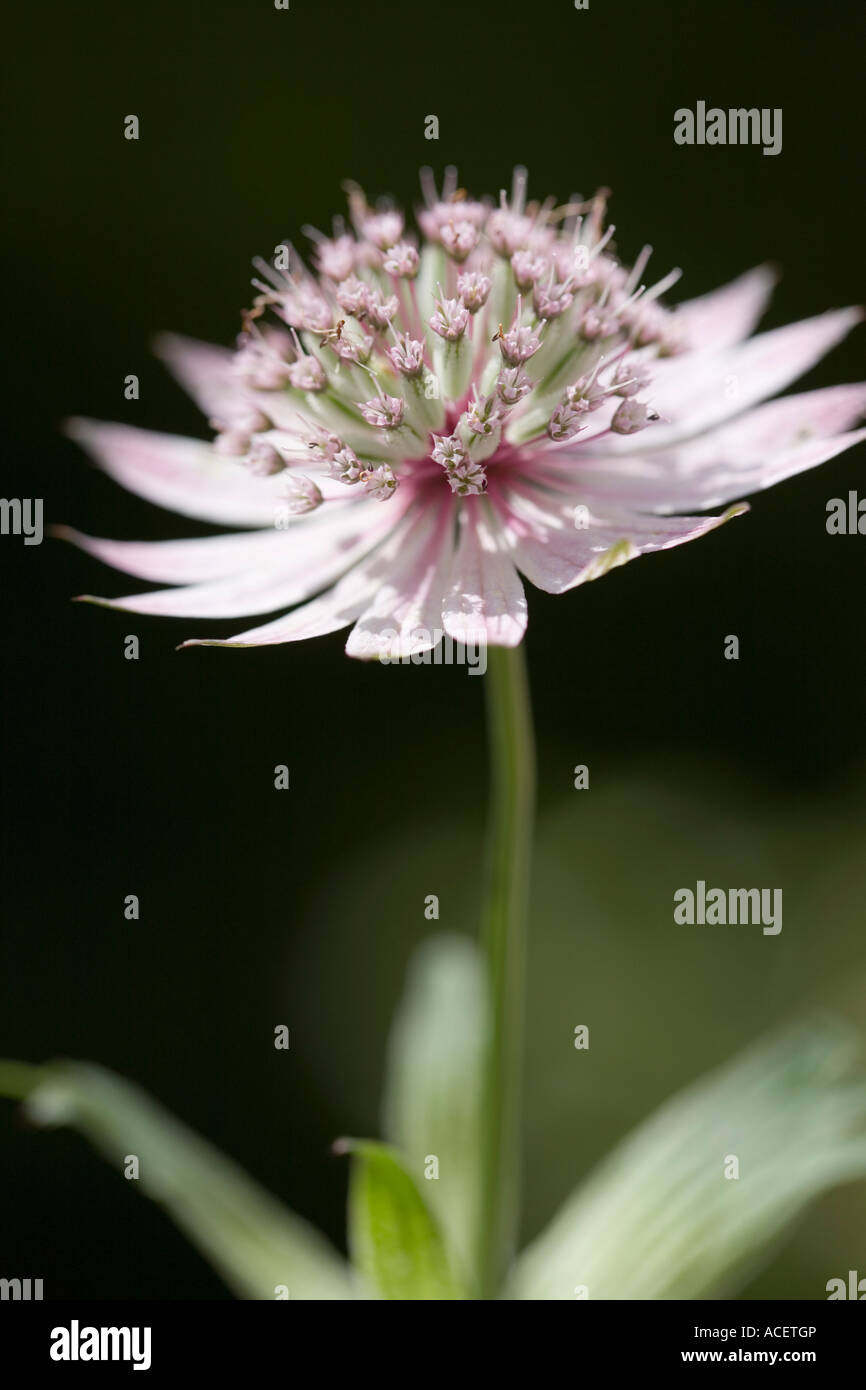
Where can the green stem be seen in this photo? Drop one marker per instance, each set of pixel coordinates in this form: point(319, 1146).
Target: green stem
point(18, 1079)
point(504, 931)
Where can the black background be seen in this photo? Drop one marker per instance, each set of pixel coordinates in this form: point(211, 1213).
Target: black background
point(155, 777)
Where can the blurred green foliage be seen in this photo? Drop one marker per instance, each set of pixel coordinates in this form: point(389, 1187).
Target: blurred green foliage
point(664, 1003)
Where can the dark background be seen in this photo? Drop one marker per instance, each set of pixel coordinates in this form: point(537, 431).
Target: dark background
point(156, 777)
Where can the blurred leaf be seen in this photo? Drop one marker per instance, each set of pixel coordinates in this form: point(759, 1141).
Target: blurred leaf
point(394, 1240)
point(433, 1080)
point(254, 1242)
point(660, 1220)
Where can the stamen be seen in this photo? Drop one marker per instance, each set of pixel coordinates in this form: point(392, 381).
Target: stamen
point(638, 269)
point(664, 285)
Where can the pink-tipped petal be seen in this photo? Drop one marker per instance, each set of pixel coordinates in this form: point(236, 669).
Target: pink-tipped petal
point(798, 459)
point(209, 375)
point(334, 610)
point(762, 447)
point(485, 602)
point(331, 611)
point(311, 557)
point(182, 562)
point(699, 392)
point(779, 424)
point(206, 372)
point(556, 556)
point(405, 614)
point(726, 316)
point(183, 475)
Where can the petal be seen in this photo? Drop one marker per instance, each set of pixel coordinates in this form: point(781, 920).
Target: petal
point(333, 610)
point(311, 558)
point(727, 315)
point(182, 475)
point(556, 556)
point(778, 424)
point(485, 603)
point(760, 448)
point(406, 613)
point(207, 373)
point(336, 609)
point(183, 562)
point(696, 392)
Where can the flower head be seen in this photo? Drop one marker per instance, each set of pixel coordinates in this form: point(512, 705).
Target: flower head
point(489, 384)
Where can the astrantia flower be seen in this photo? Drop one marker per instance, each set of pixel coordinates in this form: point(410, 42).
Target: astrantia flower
point(408, 430)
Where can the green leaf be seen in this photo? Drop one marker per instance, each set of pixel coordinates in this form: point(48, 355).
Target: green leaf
point(432, 1100)
point(255, 1243)
point(395, 1241)
point(660, 1220)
